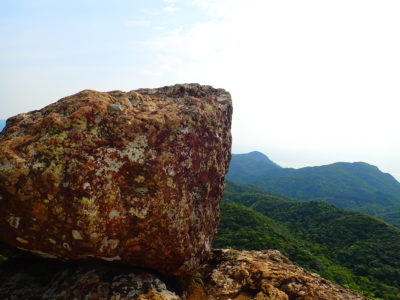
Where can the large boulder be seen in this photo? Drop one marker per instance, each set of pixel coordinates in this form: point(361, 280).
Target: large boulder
point(131, 177)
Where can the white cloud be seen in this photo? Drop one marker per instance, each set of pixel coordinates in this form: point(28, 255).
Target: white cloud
point(137, 23)
point(171, 9)
point(304, 74)
point(150, 12)
point(151, 73)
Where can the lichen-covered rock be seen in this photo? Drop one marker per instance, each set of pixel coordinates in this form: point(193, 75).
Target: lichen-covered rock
point(262, 275)
point(131, 177)
point(39, 279)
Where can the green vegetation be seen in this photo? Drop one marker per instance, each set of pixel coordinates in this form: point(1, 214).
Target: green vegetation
point(355, 250)
point(392, 216)
point(355, 186)
point(250, 166)
point(245, 229)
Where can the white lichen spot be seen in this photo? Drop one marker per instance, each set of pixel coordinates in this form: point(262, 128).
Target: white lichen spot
point(114, 214)
point(52, 241)
point(38, 165)
point(142, 190)
point(185, 130)
point(113, 243)
point(111, 258)
point(112, 159)
point(207, 244)
point(169, 170)
point(86, 185)
point(14, 221)
point(94, 235)
point(141, 213)
point(66, 246)
point(113, 164)
point(43, 254)
point(135, 150)
point(76, 235)
point(108, 244)
point(65, 184)
point(21, 240)
point(108, 162)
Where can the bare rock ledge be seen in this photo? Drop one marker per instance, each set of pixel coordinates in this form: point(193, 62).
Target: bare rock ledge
point(131, 177)
point(230, 274)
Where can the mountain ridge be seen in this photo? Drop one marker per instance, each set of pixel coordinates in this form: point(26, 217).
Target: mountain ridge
point(353, 249)
point(251, 165)
point(357, 186)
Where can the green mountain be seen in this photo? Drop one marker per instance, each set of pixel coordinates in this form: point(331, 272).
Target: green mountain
point(2, 124)
point(250, 166)
point(356, 186)
point(243, 228)
point(353, 249)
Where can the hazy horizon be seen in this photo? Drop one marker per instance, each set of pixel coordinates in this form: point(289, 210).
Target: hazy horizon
point(299, 165)
point(312, 82)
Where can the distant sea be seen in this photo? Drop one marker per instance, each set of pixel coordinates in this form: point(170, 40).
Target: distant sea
point(2, 124)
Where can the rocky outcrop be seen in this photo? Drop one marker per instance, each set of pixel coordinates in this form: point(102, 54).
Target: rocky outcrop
point(33, 279)
point(262, 275)
point(238, 275)
point(131, 177)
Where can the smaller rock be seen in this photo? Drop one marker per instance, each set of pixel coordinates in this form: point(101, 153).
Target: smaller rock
point(262, 275)
point(32, 278)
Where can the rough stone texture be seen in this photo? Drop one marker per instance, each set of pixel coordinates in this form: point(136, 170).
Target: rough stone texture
point(34, 279)
point(262, 275)
point(237, 275)
point(131, 177)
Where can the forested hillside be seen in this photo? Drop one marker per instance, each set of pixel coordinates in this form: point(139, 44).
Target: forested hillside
point(355, 186)
point(249, 167)
point(353, 249)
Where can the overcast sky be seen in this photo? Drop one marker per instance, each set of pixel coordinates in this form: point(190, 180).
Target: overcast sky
point(313, 82)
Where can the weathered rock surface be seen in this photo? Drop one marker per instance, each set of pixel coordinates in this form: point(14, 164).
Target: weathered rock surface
point(238, 275)
point(34, 279)
point(131, 177)
point(262, 275)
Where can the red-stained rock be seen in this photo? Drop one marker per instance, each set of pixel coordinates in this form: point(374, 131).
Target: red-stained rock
point(262, 275)
point(132, 177)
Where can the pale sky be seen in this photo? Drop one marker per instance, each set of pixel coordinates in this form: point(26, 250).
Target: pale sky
point(313, 82)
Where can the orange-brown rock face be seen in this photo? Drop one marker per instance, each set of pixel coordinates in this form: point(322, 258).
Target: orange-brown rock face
point(262, 275)
point(131, 177)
